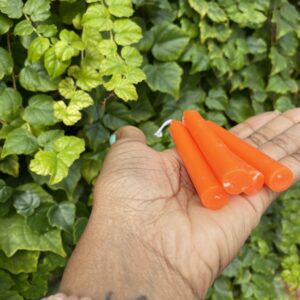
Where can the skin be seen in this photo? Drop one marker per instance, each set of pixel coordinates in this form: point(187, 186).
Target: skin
point(148, 236)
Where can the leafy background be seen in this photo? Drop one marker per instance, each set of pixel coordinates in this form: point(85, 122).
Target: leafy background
point(69, 73)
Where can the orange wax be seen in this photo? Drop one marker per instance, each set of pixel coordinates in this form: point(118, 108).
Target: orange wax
point(277, 177)
point(210, 191)
point(230, 171)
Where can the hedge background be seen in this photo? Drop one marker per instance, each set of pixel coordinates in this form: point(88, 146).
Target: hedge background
point(69, 71)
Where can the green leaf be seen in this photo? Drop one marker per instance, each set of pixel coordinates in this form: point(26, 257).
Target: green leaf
point(90, 165)
point(62, 215)
point(5, 23)
point(12, 8)
point(169, 42)
point(10, 102)
point(34, 78)
point(20, 262)
point(279, 62)
point(72, 39)
point(79, 227)
point(67, 88)
point(283, 104)
point(53, 65)
point(107, 47)
point(256, 45)
point(10, 165)
point(219, 32)
point(120, 8)
point(126, 32)
point(26, 202)
point(68, 114)
point(46, 138)
point(40, 112)
point(80, 100)
point(164, 77)
point(5, 192)
point(98, 17)
point(131, 56)
point(216, 99)
point(38, 222)
point(282, 26)
point(56, 163)
point(117, 115)
point(6, 63)
point(6, 281)
point(37, 48)
point(25, 239)
point(216, 13)
point(87, 77)
point(278, 84)
point(200, 6)
point(19, 141)
point(64, 52)
point(47, 30)
point(37, 10)
point(24, 27)
point(239, 108)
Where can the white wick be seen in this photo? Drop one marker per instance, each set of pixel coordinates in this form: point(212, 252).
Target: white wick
point(159, 132)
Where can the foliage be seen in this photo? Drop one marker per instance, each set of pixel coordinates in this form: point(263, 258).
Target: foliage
point(68, 69)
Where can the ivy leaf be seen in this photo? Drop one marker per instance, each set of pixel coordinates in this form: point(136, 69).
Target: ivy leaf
point(35, 189)
point(107, 47)
point(278, 84)
point(67, 88)
point(216, 13)
point(10, 165)
point(164, 77)
point(68, 114)
point(37, 48)
point(126, 32)
point(90, 165)
point(10, 102)
point(72, 39)
point(5, 23)
point(53, 65)
point(39, 112)
point(37, 10)
point(25, 239)
point(200, 6)
point(63, 51)
point(219, 32)
point(79, 227)
point(120, 8)
point(80, 100)
point(216, 99)
point(19, 141)
point(46, 138)
point(6, 63)
point(47, 30)
point(5, 192)
point(117, 115)
point(24, 27)
point(34, 78)
point(56, 163)
point(87, 77)
point(239, 108)
point(279, 62)
point(256, 45)
point(12, 8)
point(38, 222)
point(131, 56)
point(20, 262)
point(283, 104)
point(98, 17)
point(169, 42)
point(62, 215)
point(26, 202)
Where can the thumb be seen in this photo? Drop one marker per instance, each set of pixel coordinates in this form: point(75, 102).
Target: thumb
point(130, 133)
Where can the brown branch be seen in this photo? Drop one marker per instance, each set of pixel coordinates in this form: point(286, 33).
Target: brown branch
point(13, 75)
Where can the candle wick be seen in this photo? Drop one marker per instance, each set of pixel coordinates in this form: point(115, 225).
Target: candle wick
point(159, 132)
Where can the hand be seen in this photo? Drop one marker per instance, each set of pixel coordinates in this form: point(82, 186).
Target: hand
point(148, 233)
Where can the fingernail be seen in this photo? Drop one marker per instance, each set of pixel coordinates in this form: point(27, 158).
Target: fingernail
point(112, 139)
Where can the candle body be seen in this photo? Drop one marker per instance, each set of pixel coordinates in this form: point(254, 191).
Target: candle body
point(277, 177)
point(231, 173)
point(210, 191)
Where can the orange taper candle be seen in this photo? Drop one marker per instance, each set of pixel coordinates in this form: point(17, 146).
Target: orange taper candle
point(210, 191)
point(231, 173)
point(277, 177)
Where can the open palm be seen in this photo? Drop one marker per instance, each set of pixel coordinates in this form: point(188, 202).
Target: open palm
point(150, 195)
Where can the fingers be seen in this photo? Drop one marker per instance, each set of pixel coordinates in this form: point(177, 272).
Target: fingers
point(252, 124)
point(274, 127)
point(130, 133)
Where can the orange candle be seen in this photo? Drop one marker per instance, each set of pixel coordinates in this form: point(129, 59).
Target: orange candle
point(210, 191)
point(257, 178)
point(231, 173)
point(277, 177)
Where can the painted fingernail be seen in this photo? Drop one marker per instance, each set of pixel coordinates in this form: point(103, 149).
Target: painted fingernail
point(112, 139)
